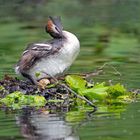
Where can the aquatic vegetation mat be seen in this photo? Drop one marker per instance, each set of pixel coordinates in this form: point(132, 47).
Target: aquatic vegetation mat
point(72, 93)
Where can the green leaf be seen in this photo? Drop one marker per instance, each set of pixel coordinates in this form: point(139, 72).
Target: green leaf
point(117, 90)
point(75, 82)
point(98, 92)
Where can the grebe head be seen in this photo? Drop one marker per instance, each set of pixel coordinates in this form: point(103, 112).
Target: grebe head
point(54, 27)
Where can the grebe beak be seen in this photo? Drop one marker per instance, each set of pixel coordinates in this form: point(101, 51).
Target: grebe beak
point(59, 30)
point(54, 27)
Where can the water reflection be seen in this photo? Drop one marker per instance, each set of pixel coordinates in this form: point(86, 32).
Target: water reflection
point(45, 127)
point(110, 127)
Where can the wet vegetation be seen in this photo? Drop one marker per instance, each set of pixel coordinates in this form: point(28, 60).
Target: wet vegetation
point(73, 92)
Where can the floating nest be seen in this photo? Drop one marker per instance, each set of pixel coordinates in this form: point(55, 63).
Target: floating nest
point(65, 94)
point(59, 95)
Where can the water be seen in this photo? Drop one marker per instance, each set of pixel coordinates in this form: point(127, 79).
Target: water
point(107, 35)
point(111, 127)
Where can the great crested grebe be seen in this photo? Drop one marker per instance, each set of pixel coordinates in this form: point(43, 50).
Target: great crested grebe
point(50, 58)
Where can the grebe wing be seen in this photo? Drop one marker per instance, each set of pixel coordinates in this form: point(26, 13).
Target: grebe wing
point(34, 53)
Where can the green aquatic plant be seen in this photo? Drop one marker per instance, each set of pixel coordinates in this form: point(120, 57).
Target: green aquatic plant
point(75, 82)
point(99, 92)
point(85, 94)
point(17, 100)
point(107, 98)
point(117, 90)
